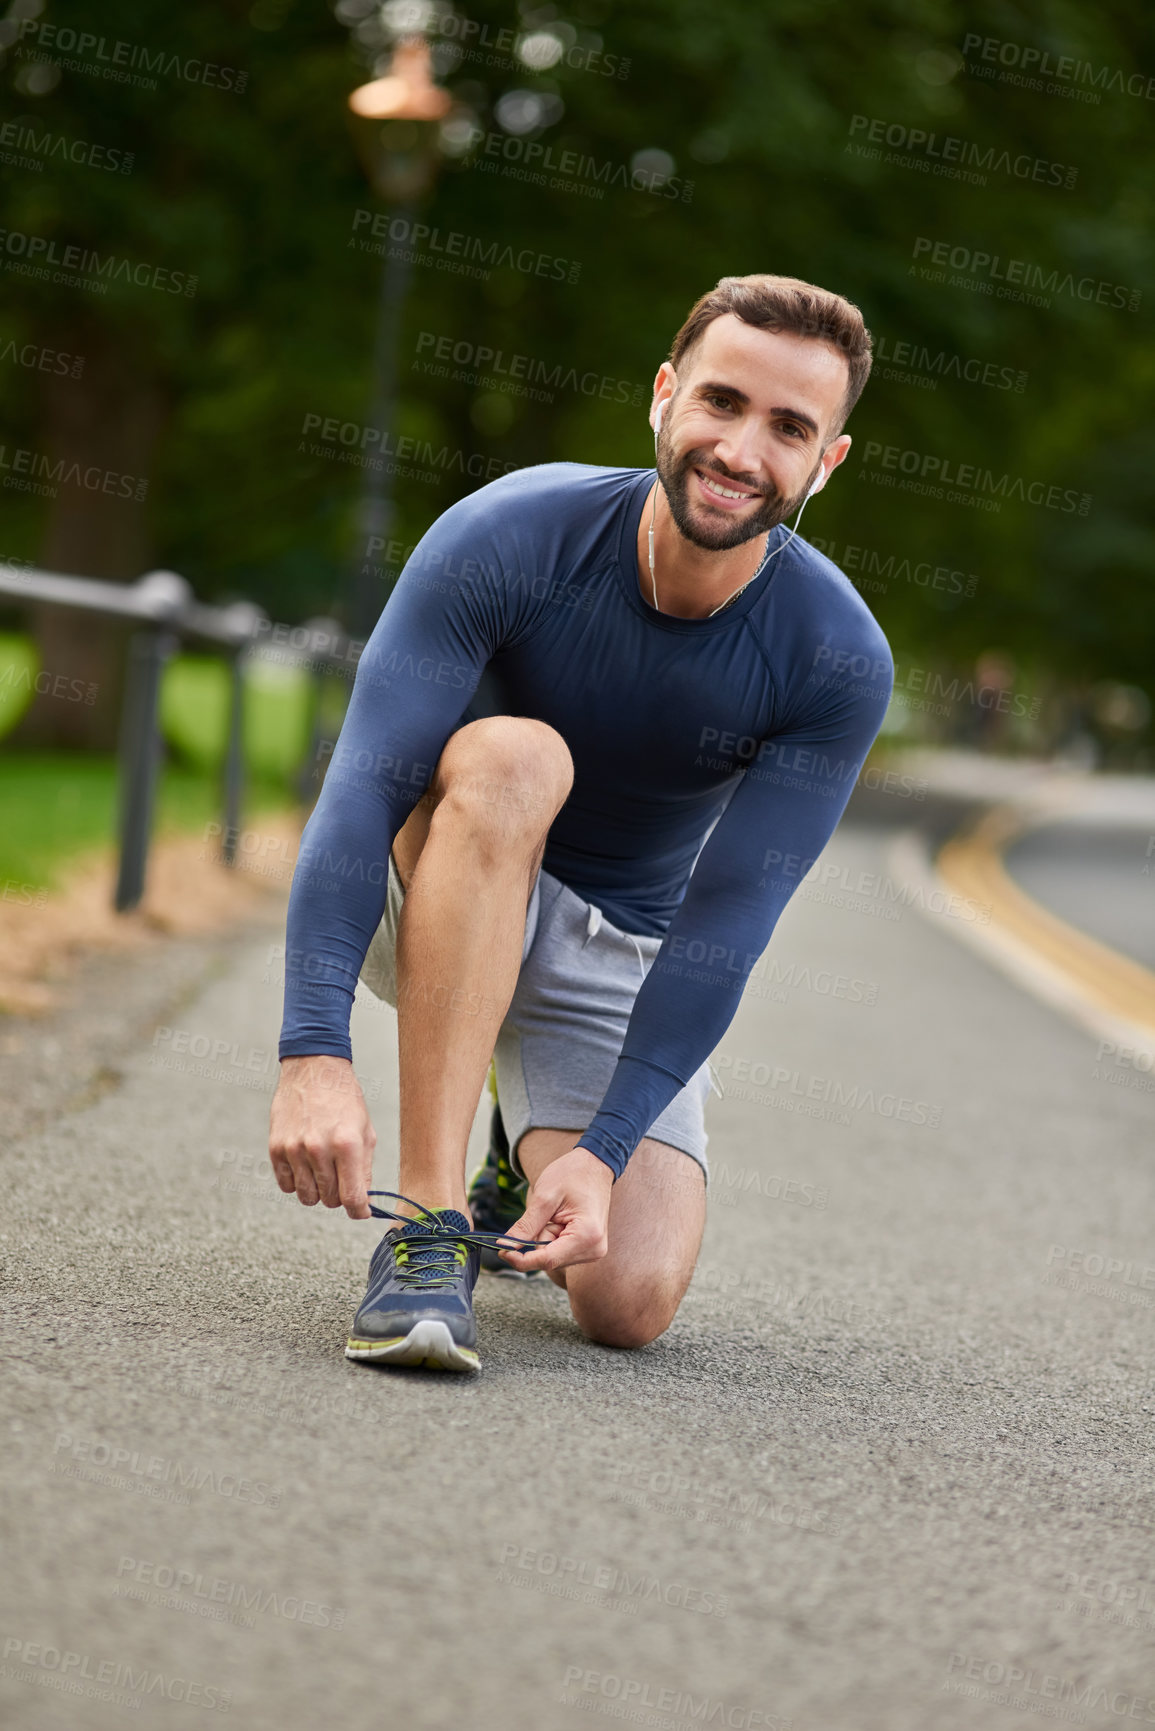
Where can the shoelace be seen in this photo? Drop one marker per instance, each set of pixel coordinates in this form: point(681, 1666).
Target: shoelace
point(431, 1246)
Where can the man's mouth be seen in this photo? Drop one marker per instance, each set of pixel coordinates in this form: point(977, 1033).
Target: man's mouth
point(724, 491)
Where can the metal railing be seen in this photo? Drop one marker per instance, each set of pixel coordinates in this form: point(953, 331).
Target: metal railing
point(164, 610)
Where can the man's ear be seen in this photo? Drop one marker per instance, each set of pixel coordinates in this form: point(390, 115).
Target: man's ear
point(665, 384)
point(840, 446)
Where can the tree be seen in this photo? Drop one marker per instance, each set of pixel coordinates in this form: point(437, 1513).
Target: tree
point(855, 149)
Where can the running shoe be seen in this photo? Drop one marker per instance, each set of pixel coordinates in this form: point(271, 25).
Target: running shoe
point(497, 1198)
point(418, 1308)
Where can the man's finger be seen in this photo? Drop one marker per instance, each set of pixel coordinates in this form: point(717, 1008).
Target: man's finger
point(353, 1191)
point(354, 1173)
point(325, 1178)
point(577, 1243)
point(535, 1220)
point(283, 1173)
point(521, 1259)
point(536, 1223)
point(303, 1179)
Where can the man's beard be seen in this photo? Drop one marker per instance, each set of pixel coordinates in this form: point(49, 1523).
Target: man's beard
point(674, 474)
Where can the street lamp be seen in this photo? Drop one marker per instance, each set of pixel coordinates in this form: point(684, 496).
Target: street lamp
point(407, 92)
point(400, 159)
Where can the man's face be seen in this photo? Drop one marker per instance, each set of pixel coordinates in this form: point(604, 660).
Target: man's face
point(743, 436)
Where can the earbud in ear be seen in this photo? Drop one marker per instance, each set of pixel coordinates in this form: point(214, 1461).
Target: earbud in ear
point(658, 419)
point(817, 484)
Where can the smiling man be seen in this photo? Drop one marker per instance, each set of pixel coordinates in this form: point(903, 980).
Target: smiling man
point(606, 723)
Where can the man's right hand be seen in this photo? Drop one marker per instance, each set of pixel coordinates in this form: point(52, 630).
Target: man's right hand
point(321, 1140)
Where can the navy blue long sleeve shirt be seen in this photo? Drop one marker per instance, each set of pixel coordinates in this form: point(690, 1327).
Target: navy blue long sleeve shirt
point(712, 757)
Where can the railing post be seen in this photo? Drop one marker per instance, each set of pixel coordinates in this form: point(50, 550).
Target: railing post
point(140, 750)
point(234, 759)
point(327, 640)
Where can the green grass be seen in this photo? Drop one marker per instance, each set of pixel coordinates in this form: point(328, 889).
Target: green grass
point(58, 805)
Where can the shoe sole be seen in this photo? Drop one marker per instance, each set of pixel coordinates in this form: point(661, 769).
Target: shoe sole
point(428, 1344)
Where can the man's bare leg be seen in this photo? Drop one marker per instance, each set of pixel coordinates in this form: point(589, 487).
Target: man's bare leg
point(468, 856)
point(657, 1216)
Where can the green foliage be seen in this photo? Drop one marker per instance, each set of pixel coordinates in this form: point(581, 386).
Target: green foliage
point(255, 193)
point(195, 701)
point(19, 665)
point(194, 709)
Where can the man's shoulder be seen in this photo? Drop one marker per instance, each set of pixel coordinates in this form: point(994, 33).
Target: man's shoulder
point(555, 485)
point(829, 602)
point(538, 510)
point(821, 639)
point(826, 581)
point(491, 552)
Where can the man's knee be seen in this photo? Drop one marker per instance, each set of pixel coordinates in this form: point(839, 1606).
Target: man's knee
point(626, 1335)
point(626, 1320)
point(507, 773)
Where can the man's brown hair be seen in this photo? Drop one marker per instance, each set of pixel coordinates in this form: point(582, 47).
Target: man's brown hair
point(784, 303)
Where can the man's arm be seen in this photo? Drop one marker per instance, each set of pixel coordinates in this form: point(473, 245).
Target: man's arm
point(416, 676)
point(769, 836)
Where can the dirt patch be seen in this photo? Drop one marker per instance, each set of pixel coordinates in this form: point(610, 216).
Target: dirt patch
point(188, 893)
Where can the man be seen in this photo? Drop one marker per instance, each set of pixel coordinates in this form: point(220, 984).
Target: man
point(605, 725)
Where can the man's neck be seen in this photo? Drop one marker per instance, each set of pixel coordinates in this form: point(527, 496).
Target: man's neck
point(692, 582)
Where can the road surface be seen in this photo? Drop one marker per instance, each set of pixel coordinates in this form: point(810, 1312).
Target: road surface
point(890, 1470)
point(1100, 880)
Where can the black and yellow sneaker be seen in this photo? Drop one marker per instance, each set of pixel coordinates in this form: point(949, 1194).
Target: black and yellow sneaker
point(418, 1309)
point(497, 1198)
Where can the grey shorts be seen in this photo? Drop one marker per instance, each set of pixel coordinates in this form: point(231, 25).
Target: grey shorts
point(563, 1032)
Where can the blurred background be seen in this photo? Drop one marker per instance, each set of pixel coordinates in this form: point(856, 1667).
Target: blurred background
point(282, 280)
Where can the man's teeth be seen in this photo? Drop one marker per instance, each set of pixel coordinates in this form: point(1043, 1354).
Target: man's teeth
point(722, 492)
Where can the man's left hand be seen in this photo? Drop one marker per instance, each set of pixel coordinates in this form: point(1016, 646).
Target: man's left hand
point(570, 1206)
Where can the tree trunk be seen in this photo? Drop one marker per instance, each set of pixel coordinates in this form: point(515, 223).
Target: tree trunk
point(105, 426)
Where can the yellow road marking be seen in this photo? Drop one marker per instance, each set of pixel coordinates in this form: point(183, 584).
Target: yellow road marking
point(972, 865)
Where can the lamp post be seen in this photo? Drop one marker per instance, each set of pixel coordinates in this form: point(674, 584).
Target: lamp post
point(394, 129)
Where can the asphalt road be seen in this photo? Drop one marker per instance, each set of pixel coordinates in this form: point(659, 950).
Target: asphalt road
point(1100, 879)
point(893, 1460)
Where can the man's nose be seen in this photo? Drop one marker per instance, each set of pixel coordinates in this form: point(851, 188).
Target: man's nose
point(740, 448)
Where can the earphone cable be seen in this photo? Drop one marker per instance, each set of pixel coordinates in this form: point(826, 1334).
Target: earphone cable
point(731, 598)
